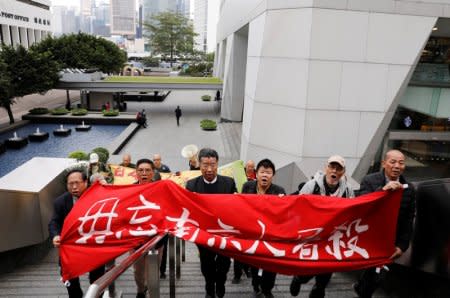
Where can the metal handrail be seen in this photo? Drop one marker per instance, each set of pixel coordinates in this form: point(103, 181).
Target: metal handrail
point(96, 288)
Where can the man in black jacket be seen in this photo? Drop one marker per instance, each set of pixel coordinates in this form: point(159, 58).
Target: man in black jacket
point(76, 182)
point(214, 266)
point(263, 281)
point(390, 178)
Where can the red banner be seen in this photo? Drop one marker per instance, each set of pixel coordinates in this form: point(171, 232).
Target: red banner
point(302, 234)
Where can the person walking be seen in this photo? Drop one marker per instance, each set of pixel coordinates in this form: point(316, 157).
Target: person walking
point(331, 183)
point(214, 266)
point(178, 115)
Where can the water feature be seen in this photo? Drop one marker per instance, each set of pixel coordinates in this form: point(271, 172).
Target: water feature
point(98, 136)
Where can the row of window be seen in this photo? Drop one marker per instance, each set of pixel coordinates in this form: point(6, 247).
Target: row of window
point(41, 21)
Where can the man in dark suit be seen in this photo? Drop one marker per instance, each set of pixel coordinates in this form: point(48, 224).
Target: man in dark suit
point(76, 182)
point(263, 281)
point(214, 266)
point(390, 178)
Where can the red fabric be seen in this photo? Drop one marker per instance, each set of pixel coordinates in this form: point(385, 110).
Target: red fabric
point(301, 234)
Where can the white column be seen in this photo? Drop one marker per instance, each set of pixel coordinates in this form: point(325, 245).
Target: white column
point(30, 36)
point(6, 35)
point(23, 37)
point(37, 36)
point(15, 35)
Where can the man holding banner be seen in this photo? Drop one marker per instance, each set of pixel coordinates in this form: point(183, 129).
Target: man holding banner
point(214, 266)
point(333, 184)
point(390, 179)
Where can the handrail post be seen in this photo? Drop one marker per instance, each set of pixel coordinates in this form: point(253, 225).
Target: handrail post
point(152, 273)
point(178, 257)
point(171, 266)
point(183, 250)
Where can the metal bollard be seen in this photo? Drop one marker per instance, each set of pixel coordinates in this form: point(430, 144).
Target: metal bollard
point(183, 250)
point(152, 273)
point(171, 266)
point(178, 257)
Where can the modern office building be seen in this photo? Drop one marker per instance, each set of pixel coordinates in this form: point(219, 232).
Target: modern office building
point(205, 24)
point(24, 22)
point(123, 18)
point(310, 79)
point(151, 7)
point(65, 20)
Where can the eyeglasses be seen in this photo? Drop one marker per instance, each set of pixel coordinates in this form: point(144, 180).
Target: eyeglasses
point(207, 165)
point(144, 170)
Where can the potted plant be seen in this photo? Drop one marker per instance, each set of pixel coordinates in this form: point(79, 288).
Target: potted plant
point(38, 111)
point(206, 97)
point(79, 112)
point(208, 124)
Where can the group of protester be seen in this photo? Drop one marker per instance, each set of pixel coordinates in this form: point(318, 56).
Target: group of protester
point(331, 182)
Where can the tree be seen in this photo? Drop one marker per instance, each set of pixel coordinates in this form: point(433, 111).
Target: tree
point(170, 34)
point(24, 72)
point(84, 51)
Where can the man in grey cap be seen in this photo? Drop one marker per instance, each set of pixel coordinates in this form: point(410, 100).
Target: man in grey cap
point(332, 183)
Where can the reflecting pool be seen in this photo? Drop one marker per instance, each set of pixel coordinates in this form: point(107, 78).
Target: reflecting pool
point(98, 136)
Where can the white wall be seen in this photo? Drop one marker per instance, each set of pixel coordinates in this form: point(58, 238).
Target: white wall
point(323, 81)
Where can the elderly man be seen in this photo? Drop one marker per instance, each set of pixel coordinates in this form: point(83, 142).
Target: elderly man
point(250, 170)
point(389, 179)
point(144, 174)
point(263, 281)
point(333, 184)
point(126, 161)
point(160, 167)
point(76, 183)
point(213, 265)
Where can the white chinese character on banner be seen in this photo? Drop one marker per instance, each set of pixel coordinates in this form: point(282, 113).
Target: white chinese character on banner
point(308, 251)
point(227, 229)
point(350, 246)
point(135, 220)
point(276, 252)
point(181, 221)
point(101, 212)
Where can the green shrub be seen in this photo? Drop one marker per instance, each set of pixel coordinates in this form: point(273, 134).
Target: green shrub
point(38, 111)
point(79, 112)
point(206, 97)
point(110, 113)
point(59, 111)
point(208, 124)
point(79, 155)
point(102, 151)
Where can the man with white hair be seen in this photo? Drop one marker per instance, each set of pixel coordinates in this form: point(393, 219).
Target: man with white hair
point(332, 183)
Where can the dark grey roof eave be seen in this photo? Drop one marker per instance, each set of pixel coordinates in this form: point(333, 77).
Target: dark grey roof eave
point(124, 87)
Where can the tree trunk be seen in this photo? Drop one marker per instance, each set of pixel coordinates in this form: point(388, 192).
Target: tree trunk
point(10, 114)
point(68, 100)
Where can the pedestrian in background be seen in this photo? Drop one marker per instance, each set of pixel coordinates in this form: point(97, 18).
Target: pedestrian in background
point(178, 115)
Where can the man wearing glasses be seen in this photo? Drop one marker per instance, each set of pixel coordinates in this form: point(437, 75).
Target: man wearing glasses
point(76, 183)
point(145, 171)
point(333, 184)
point(214, 266)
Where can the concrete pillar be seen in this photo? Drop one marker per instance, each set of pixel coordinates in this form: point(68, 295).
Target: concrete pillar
point(23, 37)
point(6, 35)
point(234, 74)
point(15, 35)
point(31, 39)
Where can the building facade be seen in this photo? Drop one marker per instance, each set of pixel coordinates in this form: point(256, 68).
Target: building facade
point(123, 18)
point(205, 24)
point(24, 22)
point(310, 79)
